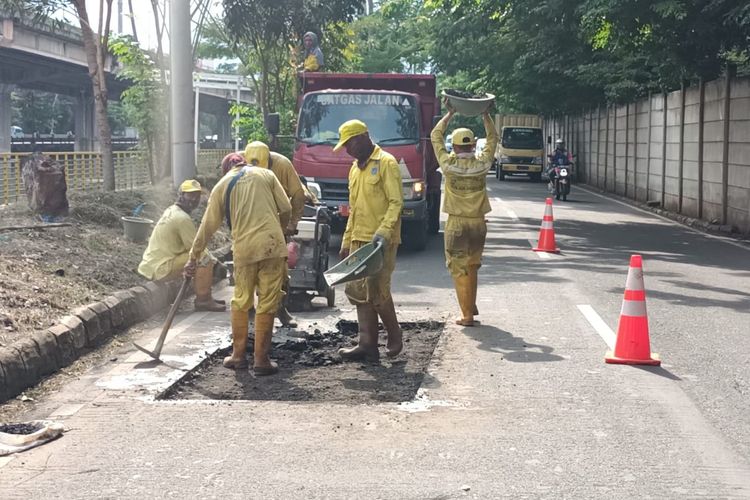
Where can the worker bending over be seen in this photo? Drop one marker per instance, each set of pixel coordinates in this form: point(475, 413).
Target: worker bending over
point(465, 201)
point(256, 209)
point(170, 243)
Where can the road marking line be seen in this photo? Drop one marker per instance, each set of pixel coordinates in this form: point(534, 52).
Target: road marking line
point(667, 219)
point(596, 321)
point(542, 255)
point(508, 211)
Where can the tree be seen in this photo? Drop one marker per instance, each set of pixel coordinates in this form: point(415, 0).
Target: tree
point(42, 112)
point(262, 32)
point(144, 100)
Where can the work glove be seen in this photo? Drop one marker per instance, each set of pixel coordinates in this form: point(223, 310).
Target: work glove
point(379, 239)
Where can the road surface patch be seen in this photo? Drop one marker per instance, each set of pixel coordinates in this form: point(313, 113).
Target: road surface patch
point(311, 370)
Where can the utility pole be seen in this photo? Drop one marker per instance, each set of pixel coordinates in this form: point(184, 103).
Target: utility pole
point(181, 88)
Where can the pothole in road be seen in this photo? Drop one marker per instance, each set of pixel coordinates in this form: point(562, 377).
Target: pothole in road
point(311, 370)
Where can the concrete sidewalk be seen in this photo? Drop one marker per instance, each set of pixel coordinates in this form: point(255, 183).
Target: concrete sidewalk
point(519, 407)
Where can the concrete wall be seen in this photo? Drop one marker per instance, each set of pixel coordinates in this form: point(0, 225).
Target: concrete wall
point(687, 150)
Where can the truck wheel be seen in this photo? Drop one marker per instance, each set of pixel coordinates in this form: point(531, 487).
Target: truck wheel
point(537, 177)
point(416, 235)
point(500, 174)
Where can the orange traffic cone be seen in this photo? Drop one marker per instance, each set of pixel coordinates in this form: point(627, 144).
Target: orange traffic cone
point(632, 346)
point(546, 241)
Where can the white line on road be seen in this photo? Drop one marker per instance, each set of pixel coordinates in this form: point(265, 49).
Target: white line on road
point(604, 331)
point(508, 211)
point(542, 255)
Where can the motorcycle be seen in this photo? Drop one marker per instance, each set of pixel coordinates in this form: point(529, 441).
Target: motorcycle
point(560, 183)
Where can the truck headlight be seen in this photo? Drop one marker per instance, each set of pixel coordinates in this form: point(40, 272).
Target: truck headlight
point(537, 160)
point(504, 159)
point(314, 188)
point(413, 190)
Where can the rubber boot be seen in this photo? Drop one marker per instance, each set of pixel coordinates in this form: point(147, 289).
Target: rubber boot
point(239, 341)
point(395, 343)
point(473, 274)
point(204, 277)
point(367, 347)
point(464, 294)
point(262, 364)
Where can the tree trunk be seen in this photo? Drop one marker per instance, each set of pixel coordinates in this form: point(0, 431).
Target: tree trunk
point(93, 49)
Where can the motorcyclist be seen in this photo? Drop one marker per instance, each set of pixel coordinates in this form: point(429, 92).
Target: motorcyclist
point(560, 156)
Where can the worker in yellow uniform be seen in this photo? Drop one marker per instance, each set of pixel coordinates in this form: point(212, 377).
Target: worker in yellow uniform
point(375, 200)
point(284, 171)
point(313, 55)
point(256, 209)
point(170, 243)
point(465, 201)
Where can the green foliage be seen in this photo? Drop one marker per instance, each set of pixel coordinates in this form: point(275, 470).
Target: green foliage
point(250, 123)
point(145, 100)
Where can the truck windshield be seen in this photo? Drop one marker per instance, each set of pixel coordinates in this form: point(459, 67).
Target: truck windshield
point(522, 138)
point(390, 118)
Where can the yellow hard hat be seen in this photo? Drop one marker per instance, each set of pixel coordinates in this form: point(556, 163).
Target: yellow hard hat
point(257, 153)
point(463, 137)
point(349, 129)
point(190, 186)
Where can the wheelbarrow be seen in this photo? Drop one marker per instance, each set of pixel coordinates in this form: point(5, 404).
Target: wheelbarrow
point(366, 261)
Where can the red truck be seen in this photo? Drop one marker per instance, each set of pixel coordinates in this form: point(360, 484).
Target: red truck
point(399, 111)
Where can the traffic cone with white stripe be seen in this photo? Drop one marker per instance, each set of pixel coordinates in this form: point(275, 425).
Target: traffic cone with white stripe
point(546, 241)
point(633, 346)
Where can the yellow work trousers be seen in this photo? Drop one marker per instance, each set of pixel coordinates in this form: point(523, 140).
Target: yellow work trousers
point(266, 277)
point(464, 243)
point(173, 269)
point(376, 289)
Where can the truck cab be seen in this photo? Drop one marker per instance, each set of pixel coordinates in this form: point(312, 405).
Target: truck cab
point(520, 149)
point(398, 111)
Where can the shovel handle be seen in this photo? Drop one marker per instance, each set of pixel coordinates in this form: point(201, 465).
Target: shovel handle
point(171, 315)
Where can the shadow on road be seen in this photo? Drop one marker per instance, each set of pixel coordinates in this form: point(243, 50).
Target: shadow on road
point(514, 349)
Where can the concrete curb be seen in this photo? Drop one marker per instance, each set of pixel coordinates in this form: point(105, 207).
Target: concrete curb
point(28, 361)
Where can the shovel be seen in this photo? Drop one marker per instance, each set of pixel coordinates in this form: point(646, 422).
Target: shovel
point(168, 322)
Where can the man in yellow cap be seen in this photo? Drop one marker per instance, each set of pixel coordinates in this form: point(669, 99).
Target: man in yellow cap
point(257, 208)
point(375, 199)
point(169, 244)
point(465, 201)
point(257, 153)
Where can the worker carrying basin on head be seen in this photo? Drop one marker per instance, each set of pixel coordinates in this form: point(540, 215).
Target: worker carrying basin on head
point(375, 200)
point(169, 246)
point(465, 201)
point(257, 153)
point(252, 200)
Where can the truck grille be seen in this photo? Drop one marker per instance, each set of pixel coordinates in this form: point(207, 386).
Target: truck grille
point(334, 190)
point(521, 159)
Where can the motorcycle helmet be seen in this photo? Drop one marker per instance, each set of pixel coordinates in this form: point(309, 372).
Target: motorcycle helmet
point(559, 144)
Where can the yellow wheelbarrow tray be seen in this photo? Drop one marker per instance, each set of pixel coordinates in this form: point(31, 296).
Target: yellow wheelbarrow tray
point(366, 261)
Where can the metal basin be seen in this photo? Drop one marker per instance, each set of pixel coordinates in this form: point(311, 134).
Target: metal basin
point(366, 261)
point(470, 107)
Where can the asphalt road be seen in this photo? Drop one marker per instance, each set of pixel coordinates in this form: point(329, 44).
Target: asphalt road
point(522, 406)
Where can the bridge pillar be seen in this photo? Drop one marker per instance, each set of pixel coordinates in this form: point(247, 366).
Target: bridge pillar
point(84, 118)
point(224, 125)
point(6, 117)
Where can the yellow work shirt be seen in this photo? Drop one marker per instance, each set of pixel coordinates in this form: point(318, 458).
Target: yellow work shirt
point(375, 199)
point(172, 237)
point(258, 208)
point(311, 63)
point(465, 174)
point(284, 171)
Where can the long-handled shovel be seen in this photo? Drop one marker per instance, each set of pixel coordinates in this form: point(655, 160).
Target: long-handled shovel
point(167, 322)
